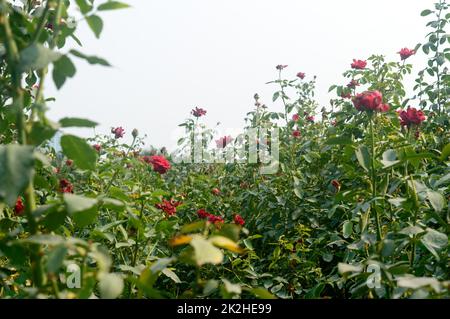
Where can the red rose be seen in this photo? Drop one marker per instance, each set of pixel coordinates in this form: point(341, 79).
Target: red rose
point(406, 53)
point(160, 163)
point(65, 186)
point(358, 64)
point(411, 116)
point(19, 208)
point(69, 162)
point(370, 101)
point(301, 75)
point(223, 141)
point(295, 117)
point(215, 191)
point(239, 220)
point(198, 112)
point(97, 147)
point(296, 133)
point(336, 184)
point(310, 118)
point(169, 207)
point(215, 219)
point(202, 213)
point(118, 132)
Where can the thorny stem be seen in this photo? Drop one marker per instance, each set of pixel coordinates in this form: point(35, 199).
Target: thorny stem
point(18, 102)
point(283, 99)
point(374, 179)
point(438, 74)
point(116, 172)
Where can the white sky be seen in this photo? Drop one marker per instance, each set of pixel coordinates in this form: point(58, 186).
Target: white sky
point(172, 55)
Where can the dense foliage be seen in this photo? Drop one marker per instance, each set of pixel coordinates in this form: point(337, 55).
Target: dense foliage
point(359, 207)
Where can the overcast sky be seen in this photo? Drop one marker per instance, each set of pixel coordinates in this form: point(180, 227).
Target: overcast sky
point(172, 55)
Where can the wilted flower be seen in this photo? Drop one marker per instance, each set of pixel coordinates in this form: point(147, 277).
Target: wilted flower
point(198, 112)
point(281, 67)
point(353, 83)
point(135, 133)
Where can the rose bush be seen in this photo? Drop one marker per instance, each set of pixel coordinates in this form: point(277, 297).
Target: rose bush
point(359, 207)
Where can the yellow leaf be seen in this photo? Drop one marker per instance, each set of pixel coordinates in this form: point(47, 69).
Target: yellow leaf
point(180, 240)
point(226, 243)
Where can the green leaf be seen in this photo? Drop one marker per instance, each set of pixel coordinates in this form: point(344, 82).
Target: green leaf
point(96, 24)
point(41, 132)
point(297, 187)
point(445, 152)
point(36, 57)
point(110, 286)
point(83, 210)
point(363, 156)
point(205, 252)
point(443, 180)
point(436, 200)
point(16, 171)
point(231, 288)
point(76, 122)
point(169, 273)
point(275, 96)
point(412, 282)
point(345, 268)
point(112, 5)
point(339, 140)
point(56, 258)
point(77, 149)
point(347, 229)
point(389, 158)
point(90, 59)
point(262, 293)
point(193, 227)
point(435, 239)
point(411, 230)
point(63, 68)
point(49, 240)
point(84, 6)
point(425, 12)
point(54, 218)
